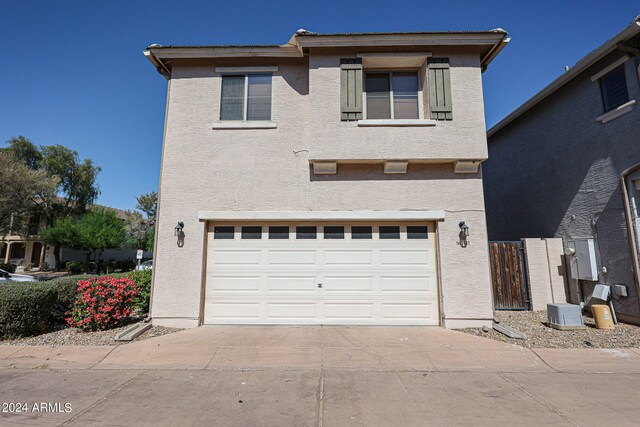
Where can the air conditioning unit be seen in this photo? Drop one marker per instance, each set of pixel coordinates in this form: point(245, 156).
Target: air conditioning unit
point(565, 317)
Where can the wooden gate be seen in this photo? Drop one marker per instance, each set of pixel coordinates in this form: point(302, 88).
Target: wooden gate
point(509, 276)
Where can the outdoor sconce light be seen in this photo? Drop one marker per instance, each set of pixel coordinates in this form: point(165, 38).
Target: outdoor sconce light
point(178, 229)
point(464, 228)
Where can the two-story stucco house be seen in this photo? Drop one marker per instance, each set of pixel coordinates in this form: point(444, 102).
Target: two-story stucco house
point(329, 180)
point(567, 164)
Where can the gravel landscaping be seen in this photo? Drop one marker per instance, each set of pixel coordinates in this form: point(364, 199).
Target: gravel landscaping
point(71, 336)
point(533, 324)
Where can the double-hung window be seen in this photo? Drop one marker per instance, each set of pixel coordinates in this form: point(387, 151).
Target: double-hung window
point(392, 95)
point(246, 97)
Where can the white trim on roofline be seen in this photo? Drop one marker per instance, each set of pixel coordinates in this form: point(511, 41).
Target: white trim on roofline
point(321, 215)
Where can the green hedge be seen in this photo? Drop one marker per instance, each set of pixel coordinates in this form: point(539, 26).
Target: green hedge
point(30, 308)
point(142, 279)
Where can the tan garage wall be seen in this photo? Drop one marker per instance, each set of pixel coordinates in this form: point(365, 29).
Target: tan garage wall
point(207, 169)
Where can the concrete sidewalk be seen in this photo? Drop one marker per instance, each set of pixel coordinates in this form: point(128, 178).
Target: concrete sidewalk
point(321, 376)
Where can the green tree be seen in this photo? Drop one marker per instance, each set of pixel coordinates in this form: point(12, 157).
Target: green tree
point(148, 204)
point(97, 230)
point(19, 186)
point(76, 187)
point(141, 222)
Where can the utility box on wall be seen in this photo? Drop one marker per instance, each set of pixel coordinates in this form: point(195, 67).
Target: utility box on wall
point(581, 254)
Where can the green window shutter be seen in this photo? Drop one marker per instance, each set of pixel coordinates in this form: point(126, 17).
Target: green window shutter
point(351, 89)
point(440, 89)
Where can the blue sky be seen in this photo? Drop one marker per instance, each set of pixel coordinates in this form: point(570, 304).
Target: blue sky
point(73, 73)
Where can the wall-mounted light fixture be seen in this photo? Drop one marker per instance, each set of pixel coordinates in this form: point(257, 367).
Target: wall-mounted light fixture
point(178, 229)
point(464, 228)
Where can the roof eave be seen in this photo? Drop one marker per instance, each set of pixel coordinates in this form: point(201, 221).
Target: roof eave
point(373, 40)
point(284, 51)
point(578, 68)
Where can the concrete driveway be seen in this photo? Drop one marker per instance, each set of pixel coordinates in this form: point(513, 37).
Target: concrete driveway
point(331, 376)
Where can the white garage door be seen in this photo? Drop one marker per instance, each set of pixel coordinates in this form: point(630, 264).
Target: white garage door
point(321, 274)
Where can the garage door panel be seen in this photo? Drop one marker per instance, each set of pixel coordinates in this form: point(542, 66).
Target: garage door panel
point(292, 284)
point(290, 257)
point(404, 257)
point(314, 281)
point(347, 257)
point(236, 257)
point(291, 310)
point(404, 284)
point(407, 310)
point(234, 284)
point(336, 311)
point(341, 284)
point(234, 310)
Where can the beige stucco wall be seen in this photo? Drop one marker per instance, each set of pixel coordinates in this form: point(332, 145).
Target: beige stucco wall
point(268, 170)
point(463, 137)
point(546, 271)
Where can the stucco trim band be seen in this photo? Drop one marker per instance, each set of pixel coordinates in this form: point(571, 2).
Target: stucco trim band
point(245, 125)
point(321, 215)
point(396, 122)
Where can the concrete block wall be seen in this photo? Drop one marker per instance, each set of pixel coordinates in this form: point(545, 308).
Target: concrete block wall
point(546, 271)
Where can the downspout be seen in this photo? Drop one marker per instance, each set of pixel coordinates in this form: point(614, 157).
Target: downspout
point(631, 215)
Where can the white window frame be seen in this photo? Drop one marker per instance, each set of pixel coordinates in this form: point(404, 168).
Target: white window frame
point(390, 74)
point(245, 96)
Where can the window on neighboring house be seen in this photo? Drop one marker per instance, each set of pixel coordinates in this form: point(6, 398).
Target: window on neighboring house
point(392, 95)
point(613, 87)
point(246, 97)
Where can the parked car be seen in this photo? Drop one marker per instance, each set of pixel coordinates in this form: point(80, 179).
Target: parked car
point(147, 265)
point(5, 276)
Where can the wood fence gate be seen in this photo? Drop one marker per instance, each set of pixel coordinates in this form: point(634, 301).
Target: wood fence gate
point(509, 276)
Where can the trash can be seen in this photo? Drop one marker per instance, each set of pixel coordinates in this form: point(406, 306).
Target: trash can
point(602, 316)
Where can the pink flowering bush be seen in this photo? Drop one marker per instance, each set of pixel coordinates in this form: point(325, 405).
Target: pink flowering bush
point(103, 303)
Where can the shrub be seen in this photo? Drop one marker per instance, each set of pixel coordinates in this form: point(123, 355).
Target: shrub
point(103, 303)
point(142, 279)
point(73, 267)
point(28, 266)
point(11, 268)
point(44, 266)
point(126, 265)
point(28, 308)
point(67, 287)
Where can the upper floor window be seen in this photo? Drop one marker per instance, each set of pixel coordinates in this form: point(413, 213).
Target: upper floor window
point(613, 87)
point(246, 97)
point(392, 95)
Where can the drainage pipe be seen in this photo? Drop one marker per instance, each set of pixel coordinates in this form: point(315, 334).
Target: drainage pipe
point(631, 215)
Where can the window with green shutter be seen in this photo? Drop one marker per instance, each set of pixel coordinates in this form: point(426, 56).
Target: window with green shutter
point(392, 95)
point(351, 89)
point(440, 89)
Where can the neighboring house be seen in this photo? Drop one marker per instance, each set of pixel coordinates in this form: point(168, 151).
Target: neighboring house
point(567, 164)
point(29, 248)
point(324, 181)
